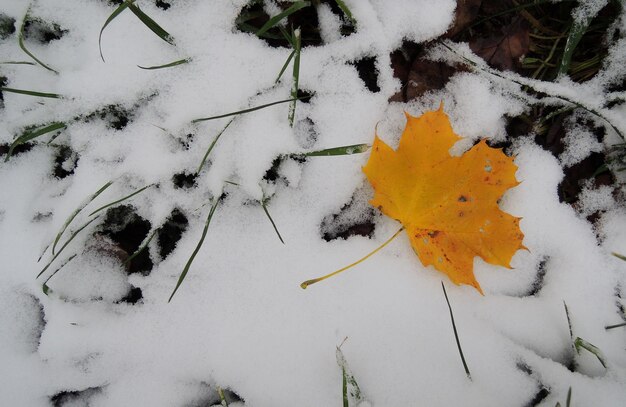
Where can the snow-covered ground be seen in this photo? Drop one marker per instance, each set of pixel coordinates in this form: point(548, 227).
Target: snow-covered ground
point(240, 320)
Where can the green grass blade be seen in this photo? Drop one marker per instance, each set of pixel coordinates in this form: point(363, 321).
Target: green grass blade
point(456, 335)
point(20, 41)
point(569, 323)
point(168, 65)
point(276, 19)
point(580, 343)
point(349, 387)
point(615, 326)
point(342, 5)
point(569, 397)
point(115, 13)
point(31, 93)
point(195, 252)
point(141, 248)
point(287, 36)
point(72, 236)
point(619, 256)
point(121, 199)
point(576, 32)
point(151, 24)
point(208, 151)
point(344, 150)
point(282, 70)
point(222, 396)
point(32, 134)
point(76, 212)
point(252, 109)
point(17, 63)
point(271, 220)
point(44, 287)
point(296, 76)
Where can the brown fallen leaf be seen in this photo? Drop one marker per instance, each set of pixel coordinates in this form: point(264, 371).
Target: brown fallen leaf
point(505, 50)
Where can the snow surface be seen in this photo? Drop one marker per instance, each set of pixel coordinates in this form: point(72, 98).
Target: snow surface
point(240, 320)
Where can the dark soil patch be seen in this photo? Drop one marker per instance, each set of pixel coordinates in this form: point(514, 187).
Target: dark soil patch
point(7, 26)
point(184, 180)
point(128, 230)
point(41, 31)
point(366, 67)
point(170, 233)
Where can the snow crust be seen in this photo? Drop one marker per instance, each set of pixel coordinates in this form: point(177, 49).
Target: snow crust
point(240, 321)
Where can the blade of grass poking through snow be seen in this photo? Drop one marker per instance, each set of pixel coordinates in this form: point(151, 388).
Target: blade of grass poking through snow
point(20, 41)
point(456, 334)
point(307, 283)
point(615, 326)
point(296, 75)
point(569, 397)
point(33, 134)
point(208, 151)
point(115, 13)
point(151, 24)
point(580, 343)
point(122, 199)
point(576, 32)
point(276, 19)
point(44, 286)
point(344, 150)
point(72, 236)
point(351, 393)
point(196, 250)
point(169, 65)
point(251, 109)
point(141, 248)
point(290, 57)
point(31, 93)
point(263, 204)
point(220, 394)
point(76, 212)
point(346, 11)
point(282, 70)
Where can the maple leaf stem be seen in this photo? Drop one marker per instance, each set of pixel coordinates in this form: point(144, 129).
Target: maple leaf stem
point(307, 283)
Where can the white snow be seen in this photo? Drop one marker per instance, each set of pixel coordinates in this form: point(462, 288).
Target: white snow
point(240, 321)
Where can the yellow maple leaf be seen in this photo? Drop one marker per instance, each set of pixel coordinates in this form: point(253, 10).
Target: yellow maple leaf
point(448, 205)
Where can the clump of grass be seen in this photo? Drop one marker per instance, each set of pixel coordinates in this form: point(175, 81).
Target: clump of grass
point(579, 343)
point(272, 22)
point(143, 17)
point(33, 134)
